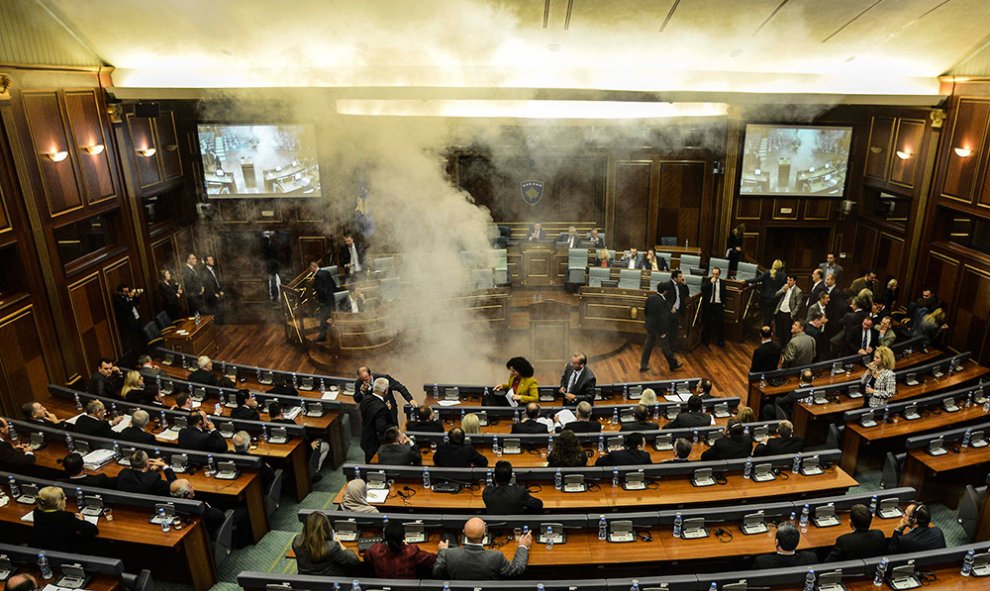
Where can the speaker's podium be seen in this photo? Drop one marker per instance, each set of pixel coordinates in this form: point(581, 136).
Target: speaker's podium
point(191, 338)
point(550, 332)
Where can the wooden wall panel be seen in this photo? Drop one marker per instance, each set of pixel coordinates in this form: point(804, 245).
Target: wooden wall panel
point(940, 275)
point(312, 248)
point(91, 312)
point(909, 137)
point(817, 209)
point(165, 255)
point(143, 136)
point(970, 329)
point(83, 114)
point(24, 375)
point(113, 275)
point(879, 149)
point(44, 117)
point(749, 208)
point(968, 131)
point(785, 209)
point(632, 194)
point(865, 243)
point(168, 145)
point(682, 186)
point(890, 249)
point(5, 224)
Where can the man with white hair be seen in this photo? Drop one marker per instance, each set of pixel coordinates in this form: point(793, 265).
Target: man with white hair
point(135, 432)
point(204, 374)
point(181, 488)
point(376, 418)
point(364, 381)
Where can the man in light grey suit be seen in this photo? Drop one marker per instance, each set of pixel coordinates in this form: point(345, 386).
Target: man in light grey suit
point(818, 306)
point(472, 562)
point(789, 300)
point(800, 350)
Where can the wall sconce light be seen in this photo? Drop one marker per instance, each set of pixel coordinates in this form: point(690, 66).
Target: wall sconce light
point(876, 149)
point(171, 147)
point(57, 155)
point(963, 152)
point(147, 152)
point(904, 154)
point(94, 149)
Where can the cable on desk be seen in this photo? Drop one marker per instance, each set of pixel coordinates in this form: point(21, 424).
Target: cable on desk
point(723, 535)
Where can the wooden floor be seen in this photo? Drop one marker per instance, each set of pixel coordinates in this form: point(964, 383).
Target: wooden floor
point(266, 346)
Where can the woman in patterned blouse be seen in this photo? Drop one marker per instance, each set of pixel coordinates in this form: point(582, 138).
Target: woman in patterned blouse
point(879, 382)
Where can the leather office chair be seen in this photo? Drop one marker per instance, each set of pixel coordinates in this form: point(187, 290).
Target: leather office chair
point(483, 278)
point(501, 267)
point(890, 474)
point(596, 275)
point(225, 539)
point(577, 262)
point(668, 240)
point(969, 509)
point(384, 266)
point(658, 277)
point(163, 320)
point(139, 582)
point(630, 278)
point(388, 289)
point(693, 283)
point(273, 496)
point(688, 262)
point(722, 264)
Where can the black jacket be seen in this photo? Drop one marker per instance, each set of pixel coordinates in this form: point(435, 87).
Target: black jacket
point(195, 439)
point(918, 539)
point(394, 385)
point(510, 499)
point(325, 286)
point(209, 378)
point(424, 427)
point(706, 292)
point(657, 314)
point(778, 446)
point(766, 357)
point(105, 387)
point(145, 483)
point(375, 419)
point(449, 455)
point(688, 420)
point(60, 531)
point(14, 460)
point(529, 427)
point(858, 545)
point(87, 425)
point(135, 435)
point(769, 285)
point(397, 454)
point(245, 413)
point(98, 480)
point(584, 387)
point(639, 426)
point(728, 448)
point(588, 426)
point(624, 457)
point(143, 396)
point(800, 558)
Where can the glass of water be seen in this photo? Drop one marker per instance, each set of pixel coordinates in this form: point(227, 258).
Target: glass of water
point(108, 513)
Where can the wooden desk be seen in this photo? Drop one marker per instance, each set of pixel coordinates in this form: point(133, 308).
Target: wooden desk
point(197, 340)
point(96, 582)
point(946, 579)
point(188, 552)
point(623, 310)
point(505, 427)
point(856, 435)
point(919, 464)
point(804, 413)
point(758, 396)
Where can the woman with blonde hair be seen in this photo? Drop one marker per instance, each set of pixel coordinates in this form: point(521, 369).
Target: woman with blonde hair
point(932, 325)
point(133, 389)
point(746, 414)
point(878, 381)
point(602, 259)
point(54, 527)
point(649, 397)
point(471, 424)
point(771, 281)
point(317, 553)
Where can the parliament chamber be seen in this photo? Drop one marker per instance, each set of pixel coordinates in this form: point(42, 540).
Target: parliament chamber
point(447, 296)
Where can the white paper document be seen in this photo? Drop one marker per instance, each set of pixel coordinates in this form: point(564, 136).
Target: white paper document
point(377, 496)
point(512, 401)
point(123, 424)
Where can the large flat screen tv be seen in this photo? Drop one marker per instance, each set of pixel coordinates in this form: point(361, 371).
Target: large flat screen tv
point(259, 160)
point(795, 160)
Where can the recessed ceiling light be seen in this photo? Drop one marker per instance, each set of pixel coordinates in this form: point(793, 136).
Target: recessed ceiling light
point(850, 58)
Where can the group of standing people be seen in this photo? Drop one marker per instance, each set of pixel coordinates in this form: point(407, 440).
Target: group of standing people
point(201, 290)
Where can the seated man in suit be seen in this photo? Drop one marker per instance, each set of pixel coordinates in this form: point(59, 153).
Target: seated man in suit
point(570, 238)
point(788, 538)
point(641, 420)
point(398, 450)
point(704, 388)
point(242, 446)
point(135, 432)
point(426, 421)
point(455, 453)
point(785, 402)
point(682, 450)
point(867, 339)
point(181, 488)
point(22, 582)
point(694, 416)
point(73, 466)
point(505, 498)
point(183, 401)
point(247, 407)
point(800, 349)
point(536, 232)
point(14, 457)
point(354, 302)
point(632, 259)
point(596, 239)
point(863, 542)
point(915, 532)
point(205, 374)
point(35, 412)
point(94, 421)
point(143, 475)
point(473, 562)
point(785, 443)
point(534, 423)
point(201, 435)
point(107, 380)
point(766, 357)
point(583, 422)
point(736, 444)
point(577, 384)
point(632, 455)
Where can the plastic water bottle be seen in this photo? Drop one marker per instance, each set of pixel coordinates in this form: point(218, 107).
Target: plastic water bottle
point(678, 525)
point(805, 515)
point(446, 586)
point(549, 444)
point(748, 468)
point(967, 565)
point(792, 518)
point(746, 430)
point(763, 380)
point(79, 404)
point(625, 392)
point(217, 410)
point(15, 490)
point(966, 437)
point(558, 479)
point(886, 413)
point(12, 434)
point(44, 567)
point(211, 466)
point(197, 319)
point(796, 466)
point(881, 573)
point(695, 437)
point(355, 585)
point(223, 367)
point(601, 444)
point(336, 586)
point(486, 394)
point(257, 374)
point(157, 452)
point(164, 420)
point(515, 416)
point(264, 433)
point(549, 538)
point(113, 410)
point(116, 450)
point(496, 448)
point(602, 528)
point(436, 392)
point(713, 587)
point(635, 585)
point(540, 587)
point(426, 477)
point(809, 580)
point(873, 505)
point(615, 416)
point(166, 523)
point(70, 443)
point(488, 478)
point(323, 385)
point(79, 499)
point(615, 477)
point(986, 405)
point(463, 414)
point(384, 521)
point(656, 412)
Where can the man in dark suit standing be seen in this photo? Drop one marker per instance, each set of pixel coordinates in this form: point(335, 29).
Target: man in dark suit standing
point(640, 422)
point(819, 304)
point(577, 384)
point(632, 455)
point(847, 330)
point(830, 268)
point(817, 287)
point(658, 322)
point(863, 542)
point(193, 286)
point(678, 294)
point(213, 296)
point(766, 357)
point(324, 286)
point(351, 256)
point(815, 328)
point(397, 449)
point(376, 417)
point(532, 425)
point(713, 309)
point(363, 387)
point(125, 306)
point(200, 434)
point(505, 498)
point(867, 339)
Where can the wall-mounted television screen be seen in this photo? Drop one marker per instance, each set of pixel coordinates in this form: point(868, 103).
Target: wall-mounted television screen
point(795, 160)
point(259, 160)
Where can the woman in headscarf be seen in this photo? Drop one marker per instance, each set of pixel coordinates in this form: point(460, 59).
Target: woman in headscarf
point(356, 498)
